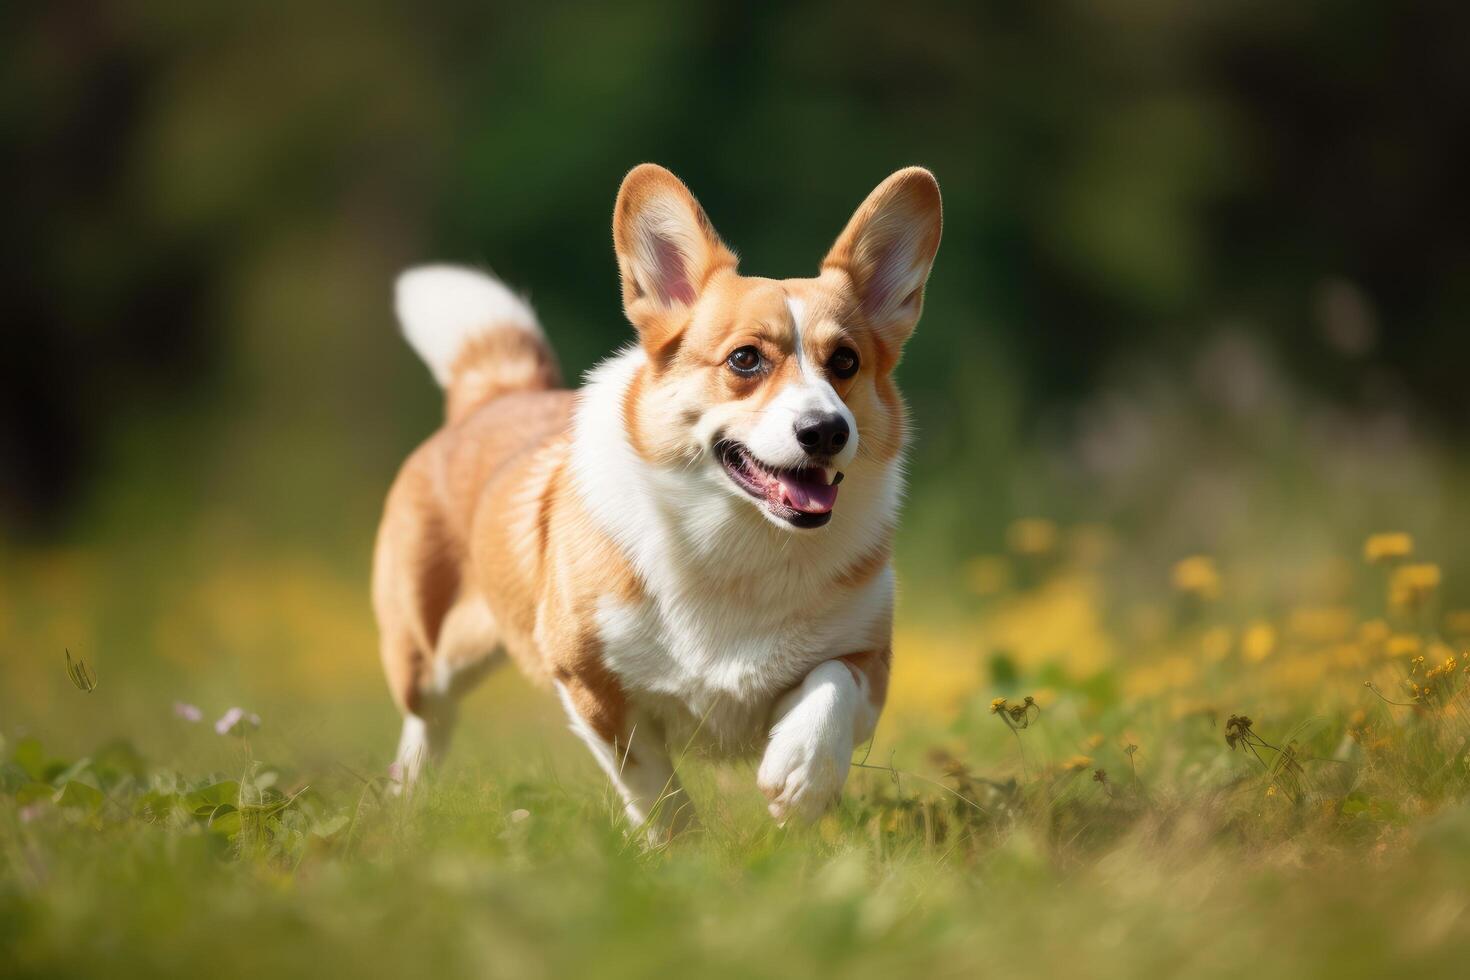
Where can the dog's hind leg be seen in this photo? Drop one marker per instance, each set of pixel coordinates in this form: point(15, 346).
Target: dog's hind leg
point(438, 641)
point(430, 689)
point(428, 719)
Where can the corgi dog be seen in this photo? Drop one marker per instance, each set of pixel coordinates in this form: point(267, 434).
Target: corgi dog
point(694, 548)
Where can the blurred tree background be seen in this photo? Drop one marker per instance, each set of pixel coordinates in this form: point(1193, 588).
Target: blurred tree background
point(205, 205)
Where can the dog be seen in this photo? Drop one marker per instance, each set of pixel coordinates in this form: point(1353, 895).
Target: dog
point(694, 549)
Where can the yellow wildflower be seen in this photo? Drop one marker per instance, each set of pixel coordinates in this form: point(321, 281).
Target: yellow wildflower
point(1411, 585)
point(1078, 763)
point(1258, 642)
point(1402, 645)
point(1197, 576)
point(1322, 624)
point(1390, 546)
point(1457, 622)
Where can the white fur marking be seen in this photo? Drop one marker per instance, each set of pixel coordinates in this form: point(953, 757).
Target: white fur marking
point(773, 440)
point(413, 749)
point(426, 736)
point(737, 609)
point(441, 307)
point(810, 751)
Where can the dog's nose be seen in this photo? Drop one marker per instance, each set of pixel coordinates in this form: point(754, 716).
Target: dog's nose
point(822, 435)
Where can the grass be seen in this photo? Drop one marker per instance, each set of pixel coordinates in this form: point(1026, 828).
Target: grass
point(1079, 772)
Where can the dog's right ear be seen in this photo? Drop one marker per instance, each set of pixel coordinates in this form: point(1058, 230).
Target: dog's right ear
point(667, 250)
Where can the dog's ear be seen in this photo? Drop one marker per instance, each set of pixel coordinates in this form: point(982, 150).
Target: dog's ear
point(667, 250)
point(888, 248)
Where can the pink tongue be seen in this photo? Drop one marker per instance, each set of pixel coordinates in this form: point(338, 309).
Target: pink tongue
point(810, 496)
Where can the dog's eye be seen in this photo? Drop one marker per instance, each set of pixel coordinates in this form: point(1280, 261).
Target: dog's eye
point(745, 361)
point(843, 363)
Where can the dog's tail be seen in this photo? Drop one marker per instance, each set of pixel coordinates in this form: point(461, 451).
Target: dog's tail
point(479, 339)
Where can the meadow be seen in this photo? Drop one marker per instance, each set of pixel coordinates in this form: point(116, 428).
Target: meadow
point(1184, 610)
point(1104, 753)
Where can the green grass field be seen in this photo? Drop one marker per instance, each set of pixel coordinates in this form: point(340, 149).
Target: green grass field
point(1125, 821)
point(1183, 623)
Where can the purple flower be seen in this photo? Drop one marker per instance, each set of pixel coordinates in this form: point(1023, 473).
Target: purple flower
point(237, 721)
point(188, 712)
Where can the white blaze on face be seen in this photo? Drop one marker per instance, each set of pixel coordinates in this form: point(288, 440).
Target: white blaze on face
point(773, 440)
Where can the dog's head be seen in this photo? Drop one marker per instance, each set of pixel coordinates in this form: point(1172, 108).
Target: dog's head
point(778, 385)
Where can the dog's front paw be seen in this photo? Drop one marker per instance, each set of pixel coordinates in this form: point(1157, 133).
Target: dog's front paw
point(805, 765)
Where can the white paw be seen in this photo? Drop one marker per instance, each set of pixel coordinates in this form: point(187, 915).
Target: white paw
point(806, 762)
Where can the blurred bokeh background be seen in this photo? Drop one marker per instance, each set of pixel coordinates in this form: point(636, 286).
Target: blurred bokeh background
point(1203, 288)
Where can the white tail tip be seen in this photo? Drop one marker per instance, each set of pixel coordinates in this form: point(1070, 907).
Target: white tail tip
point(442, 307)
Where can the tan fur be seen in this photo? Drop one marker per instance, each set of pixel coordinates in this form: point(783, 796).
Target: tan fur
point(485, 543)
point(874, 665)
point(496, 363)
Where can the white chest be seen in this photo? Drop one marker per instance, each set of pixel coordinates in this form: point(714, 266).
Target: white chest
point(709, 667)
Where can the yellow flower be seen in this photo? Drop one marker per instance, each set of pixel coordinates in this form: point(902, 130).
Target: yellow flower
point(1388, 547)
point(1258, 642)
point(1078, 763)
point(1322, 624)
point(1032, 536)
point(1197, 576)
point(1411, 585)
point(997, 706)
point(1402, 645)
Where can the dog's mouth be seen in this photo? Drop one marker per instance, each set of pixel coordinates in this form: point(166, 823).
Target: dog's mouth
point(800, 497)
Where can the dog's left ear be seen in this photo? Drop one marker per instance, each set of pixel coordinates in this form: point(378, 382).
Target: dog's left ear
point(667, 250)
point(888, 248)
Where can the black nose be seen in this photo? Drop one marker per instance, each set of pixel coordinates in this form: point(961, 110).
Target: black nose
point(822, 435)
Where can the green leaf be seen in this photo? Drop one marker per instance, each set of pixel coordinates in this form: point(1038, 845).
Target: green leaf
point(79, 795)
point(156, 805)
point(224, 820)
point(73, 771)
point(213, 795)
